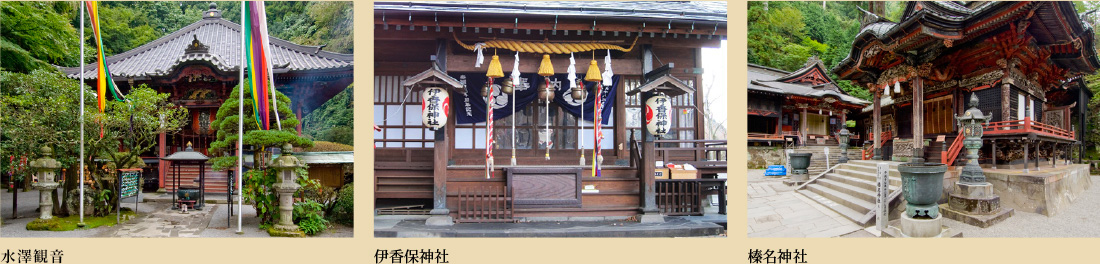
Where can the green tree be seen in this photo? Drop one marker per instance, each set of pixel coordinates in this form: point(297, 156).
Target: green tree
point(334, 120)
point(44, 106)
point(37, 34)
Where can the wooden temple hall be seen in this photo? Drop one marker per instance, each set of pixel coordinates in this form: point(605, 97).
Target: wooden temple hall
point(1020, 62)
point(199, 66)
point(430, 107)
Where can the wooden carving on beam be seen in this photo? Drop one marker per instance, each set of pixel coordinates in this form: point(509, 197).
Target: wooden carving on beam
point(899, 73)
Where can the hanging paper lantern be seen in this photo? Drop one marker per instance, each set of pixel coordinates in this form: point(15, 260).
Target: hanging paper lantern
point(897, 87)
point(658, 118)
point(435, 107)
point(593, 74)
point(495, 71)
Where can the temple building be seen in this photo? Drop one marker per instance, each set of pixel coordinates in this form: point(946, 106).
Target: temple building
point(1021, 64)
point(653, 47)
point(199, 64)
point(804, 107)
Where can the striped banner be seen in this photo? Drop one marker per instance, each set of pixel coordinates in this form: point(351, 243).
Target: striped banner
point(104, 81)
point(257, 60)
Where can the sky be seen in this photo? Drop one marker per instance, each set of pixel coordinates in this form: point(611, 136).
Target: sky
point(714, 78)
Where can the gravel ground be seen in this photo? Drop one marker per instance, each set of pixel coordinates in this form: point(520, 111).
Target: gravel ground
point(1078, 220)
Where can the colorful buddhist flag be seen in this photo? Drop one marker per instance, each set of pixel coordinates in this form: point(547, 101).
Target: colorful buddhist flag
point(258, 60)
point(104, 81)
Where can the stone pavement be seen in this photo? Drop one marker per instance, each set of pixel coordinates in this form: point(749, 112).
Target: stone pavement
point(775, 210)
point(165, 222)
point(154, 219)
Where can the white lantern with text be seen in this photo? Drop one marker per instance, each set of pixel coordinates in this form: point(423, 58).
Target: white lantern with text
point(658, 115)
point(435, 107)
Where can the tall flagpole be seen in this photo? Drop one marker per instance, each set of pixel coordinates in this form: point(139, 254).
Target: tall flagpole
point(81, 87)
point(240, 125)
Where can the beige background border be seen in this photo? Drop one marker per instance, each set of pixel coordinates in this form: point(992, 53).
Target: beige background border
point(734, 249)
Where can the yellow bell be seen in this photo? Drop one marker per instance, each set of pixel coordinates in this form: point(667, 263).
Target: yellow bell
point(545, 68)
point(593, 74)
point(495, 71)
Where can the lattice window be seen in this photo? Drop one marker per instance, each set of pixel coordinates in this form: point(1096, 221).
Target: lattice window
point(989, 101)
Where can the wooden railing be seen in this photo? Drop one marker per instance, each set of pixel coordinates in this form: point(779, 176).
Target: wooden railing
point(485, 204)
point(886, 135)
point(948, 156)
point(679, 197)
point(1027, 126)
point(765, 136)
point(700, 149)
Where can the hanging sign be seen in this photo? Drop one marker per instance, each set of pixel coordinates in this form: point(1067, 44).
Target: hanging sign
point(435, 106)
point(658, 119)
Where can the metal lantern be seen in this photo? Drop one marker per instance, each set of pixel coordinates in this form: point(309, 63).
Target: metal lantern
point(971, 124)
point(507, 86)
point(658, 114)
point(434, 107)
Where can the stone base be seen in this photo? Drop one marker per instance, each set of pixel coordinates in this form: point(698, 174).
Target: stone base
point(928, 228)
point(976, 199)
point(979, 220)
point(651, 218)
point(1046, 192)
point(285, 231)
point(440, 220)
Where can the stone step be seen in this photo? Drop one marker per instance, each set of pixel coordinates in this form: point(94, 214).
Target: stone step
point(861, 184)
point(860, 193)
point(856, 204)
point(840, 209)
point(869, 177)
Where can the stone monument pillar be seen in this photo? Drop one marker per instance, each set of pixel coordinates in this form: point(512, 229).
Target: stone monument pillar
point(286, 166)
point(972, 200)
point(45, 168)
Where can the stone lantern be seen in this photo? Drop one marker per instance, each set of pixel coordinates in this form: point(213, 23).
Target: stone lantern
point(45, 168)
point(286, 168)
point(972, 201)
point(842, 138)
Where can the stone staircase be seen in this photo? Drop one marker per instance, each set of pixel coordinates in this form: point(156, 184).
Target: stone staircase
point(850, 189)
point(817, 161)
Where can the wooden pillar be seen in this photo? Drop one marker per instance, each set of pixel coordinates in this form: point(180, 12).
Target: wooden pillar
point(441, 216)
point(1038, 144)
point(620, 122)
point(1082, 110)
point(876, 121)
point(918, 120)
point(1026, 145)
point(162, 165)
point(992, 152)
point(650, 213)
point(802, 128)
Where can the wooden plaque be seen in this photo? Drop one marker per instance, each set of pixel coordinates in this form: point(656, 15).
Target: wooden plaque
point(545, 187)
point(941, 138)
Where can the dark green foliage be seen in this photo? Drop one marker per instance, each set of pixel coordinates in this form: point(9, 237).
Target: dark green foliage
point(334, 120)
point(786, 34)
point(343, 210)
point(36, 34)
point(309, 215)
point(226, 124)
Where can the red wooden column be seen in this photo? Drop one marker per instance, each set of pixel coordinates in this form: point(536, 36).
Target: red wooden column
point(162, 165)
point(877, 120)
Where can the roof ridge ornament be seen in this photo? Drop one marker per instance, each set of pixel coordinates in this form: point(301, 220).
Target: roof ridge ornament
point(196, 46)
point(213, 12)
